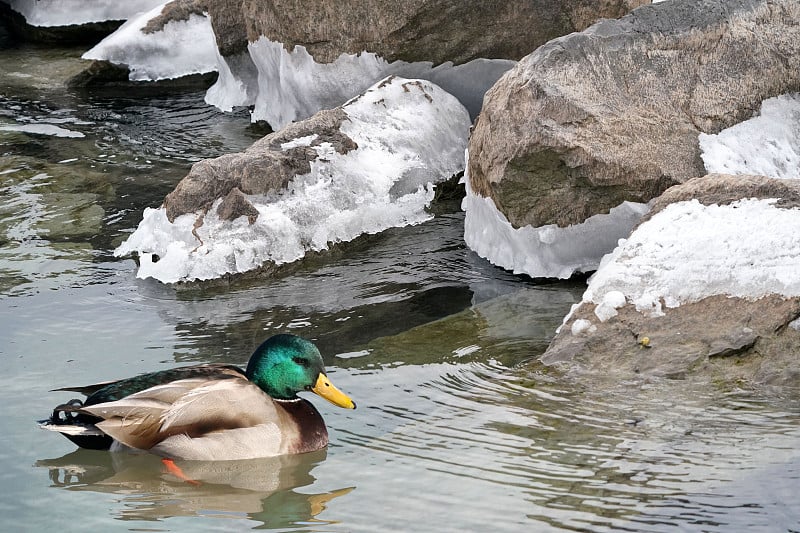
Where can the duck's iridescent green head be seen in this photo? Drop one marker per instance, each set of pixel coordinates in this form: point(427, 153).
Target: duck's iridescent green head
point(286, 364)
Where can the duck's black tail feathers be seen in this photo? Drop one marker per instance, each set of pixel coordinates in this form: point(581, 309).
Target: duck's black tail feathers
point(78, 426)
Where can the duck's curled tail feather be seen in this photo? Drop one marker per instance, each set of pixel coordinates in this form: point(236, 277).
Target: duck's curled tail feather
point(70, 420)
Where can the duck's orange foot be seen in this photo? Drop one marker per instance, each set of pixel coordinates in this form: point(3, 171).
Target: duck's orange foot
point(176, 471)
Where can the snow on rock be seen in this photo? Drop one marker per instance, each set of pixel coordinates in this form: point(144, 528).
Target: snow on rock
point(581, 326)
point(410, 134)
point(181, 48)
point(768, 144)
point(292, 85)
point(690, 251)
point(547, 251)
point(612, 301)
point(48, 13)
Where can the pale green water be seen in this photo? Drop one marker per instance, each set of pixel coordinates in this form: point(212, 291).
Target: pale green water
point(452, 433)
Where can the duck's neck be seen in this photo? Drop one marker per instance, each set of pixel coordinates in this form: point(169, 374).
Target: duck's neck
point(313, 435)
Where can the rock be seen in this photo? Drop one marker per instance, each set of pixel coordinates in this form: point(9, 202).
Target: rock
point(56, 13)
point(175, 11)
point(357, 169)
point(109, 76)
point(706, 339)
point(463, 47)
point(738, 340)
point(66, 22)
point(612, 114)
point(722, 309)
point(723, 189)
point(416, 30)
point(69, 216)
point(99, 73)
point(268, 165)
point(236, 205)
point(519, 321)
point(168, 47)
point(167, 42)
point(90, 33)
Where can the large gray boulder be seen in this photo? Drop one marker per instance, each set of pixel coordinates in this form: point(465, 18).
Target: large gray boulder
point(707, 286)
point(612, 114)
point(271, 49)
point(416, 30)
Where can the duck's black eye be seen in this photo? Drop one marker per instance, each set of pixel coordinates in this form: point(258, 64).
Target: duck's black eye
point(302, 362)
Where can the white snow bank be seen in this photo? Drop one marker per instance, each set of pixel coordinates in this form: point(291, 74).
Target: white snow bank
point(768, 144)
point(292, 86)
point(410, 134)
point(47, 13)
point(547, 251)
point(690, 251)
point(181, 48)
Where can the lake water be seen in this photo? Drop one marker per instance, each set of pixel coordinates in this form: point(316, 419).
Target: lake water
point(457, 428)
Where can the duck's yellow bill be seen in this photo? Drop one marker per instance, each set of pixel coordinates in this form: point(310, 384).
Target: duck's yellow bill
point(325, 388)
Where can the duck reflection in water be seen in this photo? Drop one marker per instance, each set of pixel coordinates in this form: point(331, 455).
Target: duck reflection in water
point(256, 489)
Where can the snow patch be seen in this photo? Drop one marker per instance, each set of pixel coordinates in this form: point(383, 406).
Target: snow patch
point(690, 251)
point(767, 145)
point(300, 141)
point(607, 309)
point(48, 13)
point(547, 251)
point(181, 48)
point(410, 135)
point(582, 326)
point(292, 85)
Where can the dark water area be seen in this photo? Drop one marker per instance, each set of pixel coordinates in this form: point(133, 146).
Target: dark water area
point(458, 428)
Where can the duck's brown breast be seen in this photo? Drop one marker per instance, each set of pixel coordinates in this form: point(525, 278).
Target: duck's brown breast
point(310, 434)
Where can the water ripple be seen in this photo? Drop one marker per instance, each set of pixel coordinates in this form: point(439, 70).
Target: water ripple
point(576, 456)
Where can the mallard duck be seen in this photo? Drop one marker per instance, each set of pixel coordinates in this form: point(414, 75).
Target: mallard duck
point(211, 411)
